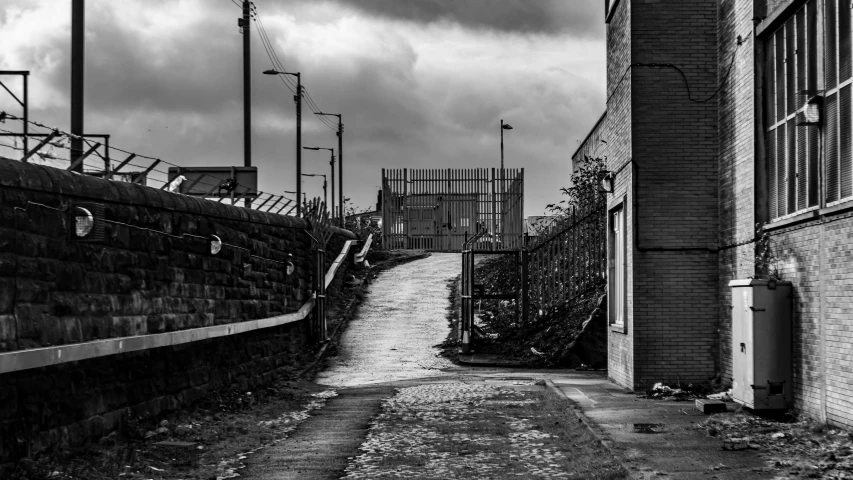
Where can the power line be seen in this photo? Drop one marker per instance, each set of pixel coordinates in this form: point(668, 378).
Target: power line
point(289, 82)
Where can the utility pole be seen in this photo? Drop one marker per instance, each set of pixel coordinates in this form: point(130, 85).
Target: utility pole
point(247, 88)
point(298, 99)
point(78, 39)
point(247, 92)
point(342, 215)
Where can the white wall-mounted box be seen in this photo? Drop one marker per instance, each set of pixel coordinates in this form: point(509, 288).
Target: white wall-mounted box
point(761, 343)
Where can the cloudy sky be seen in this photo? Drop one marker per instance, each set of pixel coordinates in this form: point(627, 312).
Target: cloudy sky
point(420, 83)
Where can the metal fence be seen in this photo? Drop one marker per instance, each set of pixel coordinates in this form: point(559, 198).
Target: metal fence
point(569, 258)
point(439, 209)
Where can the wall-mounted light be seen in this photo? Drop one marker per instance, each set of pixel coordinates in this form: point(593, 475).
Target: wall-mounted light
point(83, 221)
point(215, 244)
point(605, 184)
point(813, 108)
point(88, 220)
point(290, 266)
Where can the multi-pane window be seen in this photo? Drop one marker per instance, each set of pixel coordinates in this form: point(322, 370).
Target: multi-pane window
point(616, 263)
point(810, 56)
point(792, 148)
point(838, 74)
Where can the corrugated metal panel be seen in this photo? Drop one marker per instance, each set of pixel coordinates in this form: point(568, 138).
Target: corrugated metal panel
point(773, 188)
point(791, 172)
point(844, 137)
point(831, 54)
point(814, 164)
point(802, 163)
point(790, 66)
point(801, 56)
point(832, 147)
point(780, 74)
point(814, 61)
point(844, 60)
point(780, 172)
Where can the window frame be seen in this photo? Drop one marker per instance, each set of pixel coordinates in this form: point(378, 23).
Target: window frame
point(617, 312)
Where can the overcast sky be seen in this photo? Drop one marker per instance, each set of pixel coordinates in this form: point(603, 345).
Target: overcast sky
point(420, 83)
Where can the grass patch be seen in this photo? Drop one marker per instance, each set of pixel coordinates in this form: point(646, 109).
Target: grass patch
point(454, 430)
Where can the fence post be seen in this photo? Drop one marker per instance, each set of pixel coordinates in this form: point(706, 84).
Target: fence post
point(525, 283)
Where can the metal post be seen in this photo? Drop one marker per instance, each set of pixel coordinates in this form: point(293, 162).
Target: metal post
point(325, 194)
point(298, 99)
point(332, 163)
point(26, 111)
point(502, 144)
point(78, 39)
point(342, 216)
point(525, 283)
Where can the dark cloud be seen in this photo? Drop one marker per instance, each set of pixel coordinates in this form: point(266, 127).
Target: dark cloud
point(178, 95)
point(577, 17)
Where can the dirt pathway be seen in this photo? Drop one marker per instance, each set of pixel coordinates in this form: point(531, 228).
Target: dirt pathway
point(390, 339)
point(403, 317)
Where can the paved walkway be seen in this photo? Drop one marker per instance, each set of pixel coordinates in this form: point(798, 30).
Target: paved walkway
point(388, 364)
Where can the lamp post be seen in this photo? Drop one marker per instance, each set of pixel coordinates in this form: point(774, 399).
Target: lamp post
point(325, 199)
point(340, 134)
point(504, 126)
point(332, 163)
point(298, 99)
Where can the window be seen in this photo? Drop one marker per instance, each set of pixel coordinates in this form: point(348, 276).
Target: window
point(792, 148)
point(838, 73)
point(616, 263)
point(810, 54)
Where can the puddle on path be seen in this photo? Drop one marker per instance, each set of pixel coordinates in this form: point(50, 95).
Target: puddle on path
point(639, 427)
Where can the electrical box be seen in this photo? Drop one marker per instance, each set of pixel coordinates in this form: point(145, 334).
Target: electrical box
point(761, 343)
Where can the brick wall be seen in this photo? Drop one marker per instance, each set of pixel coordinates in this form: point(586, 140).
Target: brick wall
point(676, 198)
point(618, 150)
point(151, 274)
point(737, 158)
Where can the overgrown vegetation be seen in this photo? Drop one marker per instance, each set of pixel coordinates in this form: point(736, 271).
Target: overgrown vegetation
point(542, 339)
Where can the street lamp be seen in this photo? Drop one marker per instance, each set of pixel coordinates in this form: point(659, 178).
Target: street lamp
point(332, 163)
point(324, 183)
point(504, 126)
point(340, 164)
point(298, 99)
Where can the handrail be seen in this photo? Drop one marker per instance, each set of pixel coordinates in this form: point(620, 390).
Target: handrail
point(359, 257)
point(41, 357)
point(472, 240)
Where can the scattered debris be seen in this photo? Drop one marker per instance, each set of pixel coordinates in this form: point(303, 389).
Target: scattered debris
point(684, 393)
point(795, 449)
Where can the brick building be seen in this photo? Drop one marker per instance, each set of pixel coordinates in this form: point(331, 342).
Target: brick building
point(722, 116)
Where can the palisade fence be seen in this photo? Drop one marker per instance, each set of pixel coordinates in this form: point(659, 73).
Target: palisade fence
point(568, 258)
point(440, 209)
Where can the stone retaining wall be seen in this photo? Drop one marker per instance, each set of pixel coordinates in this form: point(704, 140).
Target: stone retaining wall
point(152, 273)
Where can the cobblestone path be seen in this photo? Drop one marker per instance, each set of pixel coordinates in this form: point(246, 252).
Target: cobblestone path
point(412, 431)
point(402, 411)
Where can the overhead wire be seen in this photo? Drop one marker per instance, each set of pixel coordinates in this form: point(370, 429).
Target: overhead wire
point(286, 79)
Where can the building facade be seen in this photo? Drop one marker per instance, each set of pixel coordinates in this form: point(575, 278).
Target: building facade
point(729, 132)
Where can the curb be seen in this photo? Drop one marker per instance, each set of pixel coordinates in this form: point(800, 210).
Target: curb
point(590, 426)
point(488, 364)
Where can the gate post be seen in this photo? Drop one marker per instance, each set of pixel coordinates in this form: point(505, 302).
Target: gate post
point(320, 327)
point(525, 283)
point(467, 307)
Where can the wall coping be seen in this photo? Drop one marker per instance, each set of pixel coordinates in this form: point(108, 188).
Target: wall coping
point(46, 356)
point(42, 178)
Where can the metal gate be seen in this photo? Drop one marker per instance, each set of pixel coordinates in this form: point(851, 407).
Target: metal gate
point(471, 291)
point(439, 209)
